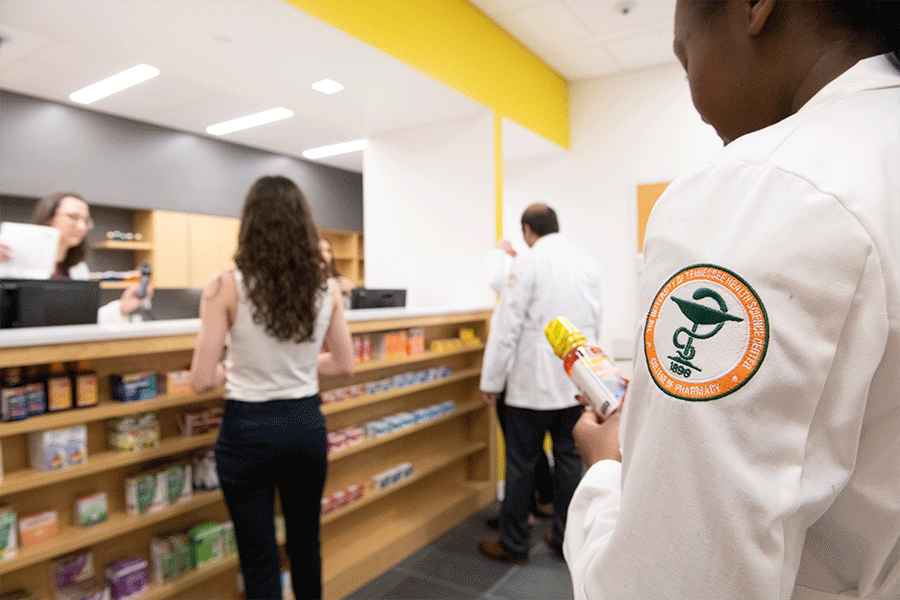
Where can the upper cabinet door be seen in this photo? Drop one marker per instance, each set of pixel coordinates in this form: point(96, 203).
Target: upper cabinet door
point(212, 244)
point(168, 234)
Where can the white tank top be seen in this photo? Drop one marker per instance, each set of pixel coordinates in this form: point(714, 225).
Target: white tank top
point(261, 367)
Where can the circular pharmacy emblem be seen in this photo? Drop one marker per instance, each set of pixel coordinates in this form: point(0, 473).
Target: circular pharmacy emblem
point(706, 334)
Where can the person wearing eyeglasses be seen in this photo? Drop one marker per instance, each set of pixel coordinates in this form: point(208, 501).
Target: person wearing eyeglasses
point(69, 213)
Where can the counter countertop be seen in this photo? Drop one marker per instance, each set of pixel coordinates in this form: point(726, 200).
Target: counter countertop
point(66, 334)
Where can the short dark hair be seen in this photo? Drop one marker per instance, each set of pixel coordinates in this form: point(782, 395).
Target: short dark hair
point(541, 219)
point(43, 213)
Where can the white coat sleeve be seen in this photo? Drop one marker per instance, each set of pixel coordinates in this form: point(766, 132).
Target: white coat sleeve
point(506, 327)
point(499, 265)
point(592, 517)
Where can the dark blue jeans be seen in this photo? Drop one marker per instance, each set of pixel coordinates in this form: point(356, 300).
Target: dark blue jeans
point(261, 446)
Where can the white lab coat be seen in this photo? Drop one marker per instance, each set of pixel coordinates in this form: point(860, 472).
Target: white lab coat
point(788, 484)
point(108, 313)
point(552, 279)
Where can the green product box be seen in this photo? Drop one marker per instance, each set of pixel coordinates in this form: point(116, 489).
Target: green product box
point(146, 493)
point(8, 539)
point(179, 484)
point(207, 544)
point(91, 510)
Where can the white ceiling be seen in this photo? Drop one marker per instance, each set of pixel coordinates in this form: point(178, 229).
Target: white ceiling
point(222, 59)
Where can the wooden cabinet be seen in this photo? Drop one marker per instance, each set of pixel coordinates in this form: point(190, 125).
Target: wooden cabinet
point(348, 253)
point(453, 459)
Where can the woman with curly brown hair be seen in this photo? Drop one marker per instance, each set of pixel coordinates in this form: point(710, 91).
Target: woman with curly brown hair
point(278, 308)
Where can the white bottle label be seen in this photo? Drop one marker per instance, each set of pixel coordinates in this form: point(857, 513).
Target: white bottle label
point(601, 384)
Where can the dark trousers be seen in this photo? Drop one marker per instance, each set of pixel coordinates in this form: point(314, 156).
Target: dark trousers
point(543, 478)
point(261, 446)
point(525, 431)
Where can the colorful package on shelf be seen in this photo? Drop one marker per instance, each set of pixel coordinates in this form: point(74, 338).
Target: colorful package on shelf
point(36, 390)
point(72, 569)
point(199, 423)
point(133, 387)
point(127, 578)
point(170, 557)
point(8, 533)
point(145, 493)
point(58, 448)
point(179, 484)
point(415, 342)
point(14, 402)
point(85, 384)
point(328, 504)
point(91, 510)
point(395, 345)
point(59, 388)
point(148, 430)
point(204, 468)
point(362, 344)
point(92, 589)
point(207, 544)
point(123, 434)
point(38, 528)
point(1, 460)
point(176, 383)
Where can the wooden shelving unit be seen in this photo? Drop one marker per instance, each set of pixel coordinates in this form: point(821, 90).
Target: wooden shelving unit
point(348, 253)
point(453, 458)
point(122, 245)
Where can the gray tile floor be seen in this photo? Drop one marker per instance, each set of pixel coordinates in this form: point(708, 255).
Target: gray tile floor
point(451, 567)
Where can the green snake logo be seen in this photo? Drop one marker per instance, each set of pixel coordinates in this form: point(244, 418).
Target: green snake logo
point(698, 314)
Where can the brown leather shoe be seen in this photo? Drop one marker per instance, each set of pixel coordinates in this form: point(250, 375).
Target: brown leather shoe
point(556, 547)
point(495, 550)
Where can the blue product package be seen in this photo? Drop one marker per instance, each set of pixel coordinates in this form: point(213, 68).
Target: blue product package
point(133, 387)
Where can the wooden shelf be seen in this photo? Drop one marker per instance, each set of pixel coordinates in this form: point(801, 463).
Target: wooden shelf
point(366, 399)
point(422, 321)
point(73, 537)
point(461, 410)
point(122, 245)
point(374, 365)
point(29, 479)
point(422, 467)
point(104, 410)
point(192, 578)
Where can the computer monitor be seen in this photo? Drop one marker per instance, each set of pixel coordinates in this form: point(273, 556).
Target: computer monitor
point(44, 302)
point(361, 297)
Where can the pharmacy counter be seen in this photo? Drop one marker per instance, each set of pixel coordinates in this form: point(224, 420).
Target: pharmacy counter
point(413, 448)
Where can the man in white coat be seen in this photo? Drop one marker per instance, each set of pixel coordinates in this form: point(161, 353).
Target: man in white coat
point(553, 278)
point(760, 438)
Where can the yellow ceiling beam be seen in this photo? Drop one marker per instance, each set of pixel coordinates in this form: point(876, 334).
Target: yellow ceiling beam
point(455, 43)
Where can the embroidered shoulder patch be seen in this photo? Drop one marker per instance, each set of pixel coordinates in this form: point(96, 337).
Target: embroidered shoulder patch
point(706, 334)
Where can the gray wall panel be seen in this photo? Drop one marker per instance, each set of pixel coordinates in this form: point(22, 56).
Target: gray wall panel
point(119, 162)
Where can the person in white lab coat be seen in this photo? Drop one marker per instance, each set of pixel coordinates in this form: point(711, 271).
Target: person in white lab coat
point(499, 262)
point(553, 278)
point(760, 438)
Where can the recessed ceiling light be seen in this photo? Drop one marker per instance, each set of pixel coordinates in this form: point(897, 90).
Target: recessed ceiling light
point(327, 86)
point(260, 118)
point(113, 84)
point(334, 149)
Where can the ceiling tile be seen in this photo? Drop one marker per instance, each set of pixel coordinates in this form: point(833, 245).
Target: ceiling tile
point(652, 46)
point(544, 27)
point(586, 62)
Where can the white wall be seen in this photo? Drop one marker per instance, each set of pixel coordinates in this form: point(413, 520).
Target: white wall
point(428, 212)
point(626, 130)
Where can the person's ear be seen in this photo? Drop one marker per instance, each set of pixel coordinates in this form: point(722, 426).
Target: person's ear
point(759, 11)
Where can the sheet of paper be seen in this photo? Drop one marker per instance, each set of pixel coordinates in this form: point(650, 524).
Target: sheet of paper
point(33, 250)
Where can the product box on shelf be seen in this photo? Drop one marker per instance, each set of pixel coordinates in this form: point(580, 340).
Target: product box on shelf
point(14, 402)
point(91, 509)
point(58, 448)
point(127, 577)
point(176, 383)
point(72, 569)
point(198, 423)
point(85, 384)
point(145, 493)
point(204, 471)
point(415, 342)
point(133, 387)
point(207, 544)
point(8, 533)
point(133, 432)
point(170, 557)
point(38, 528)
point(179, 484)
point(394, 344)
